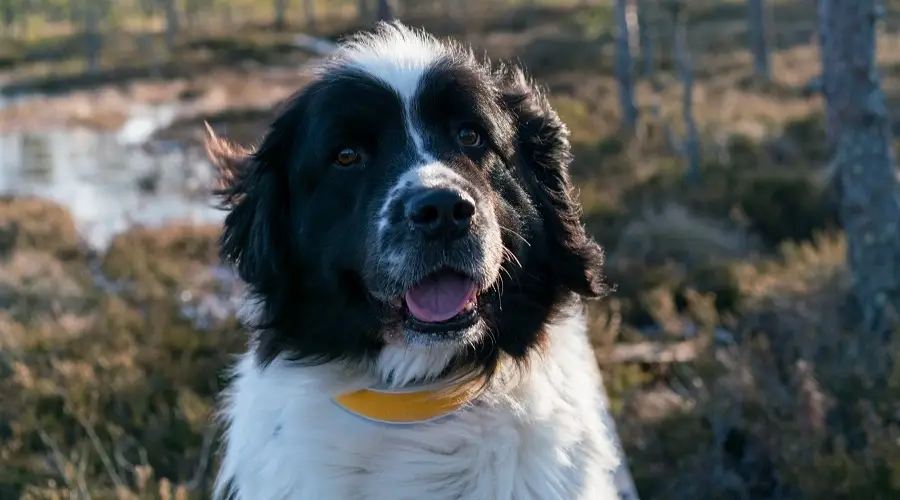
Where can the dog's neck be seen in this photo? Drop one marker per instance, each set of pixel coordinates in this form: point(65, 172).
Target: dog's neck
point(413, 403)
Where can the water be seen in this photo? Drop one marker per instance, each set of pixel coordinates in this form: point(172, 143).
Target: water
point(113, 180)
point(110, 180)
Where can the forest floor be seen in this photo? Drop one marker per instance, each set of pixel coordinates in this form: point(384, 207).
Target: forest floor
point(728, 346)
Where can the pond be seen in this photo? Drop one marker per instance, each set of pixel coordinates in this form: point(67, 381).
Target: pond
point(111, 180)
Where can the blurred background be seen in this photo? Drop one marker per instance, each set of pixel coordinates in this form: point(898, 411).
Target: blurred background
point(747, 347)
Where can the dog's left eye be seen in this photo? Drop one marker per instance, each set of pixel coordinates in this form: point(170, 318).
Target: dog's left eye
point(347, 157)
point(468, 137)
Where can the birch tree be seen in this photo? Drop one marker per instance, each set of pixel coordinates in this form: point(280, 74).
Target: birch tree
point(645, 38)
point(624, 68)
point(691, 142)
point(385, 10)
point(859, 126)
point(8, 16)
point(280, 14)
point(364, 11)
point(92, 36)
point(172, 22)
point(759, 40)
point(309, 8)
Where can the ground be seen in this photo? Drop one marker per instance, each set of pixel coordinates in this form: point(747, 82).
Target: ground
point(110, 360)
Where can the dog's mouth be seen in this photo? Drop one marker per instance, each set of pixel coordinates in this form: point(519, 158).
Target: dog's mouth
point(444, 302)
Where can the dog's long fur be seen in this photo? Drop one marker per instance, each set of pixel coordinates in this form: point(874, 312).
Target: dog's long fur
point(328, 253)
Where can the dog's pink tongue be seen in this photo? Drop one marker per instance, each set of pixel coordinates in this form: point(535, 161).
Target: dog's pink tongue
point(440, 297)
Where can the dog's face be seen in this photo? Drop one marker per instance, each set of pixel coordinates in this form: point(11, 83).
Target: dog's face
point(410, 208)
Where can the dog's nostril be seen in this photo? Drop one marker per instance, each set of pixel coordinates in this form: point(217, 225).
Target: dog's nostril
point(463, 211)
point(440, 212)
point(426, 214)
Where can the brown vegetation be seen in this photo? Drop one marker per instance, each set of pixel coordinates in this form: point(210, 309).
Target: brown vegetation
point(742, 377)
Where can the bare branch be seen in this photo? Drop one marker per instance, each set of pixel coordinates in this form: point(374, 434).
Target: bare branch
point(651, 352)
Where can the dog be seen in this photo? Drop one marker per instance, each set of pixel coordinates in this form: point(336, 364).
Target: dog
point(416, 267)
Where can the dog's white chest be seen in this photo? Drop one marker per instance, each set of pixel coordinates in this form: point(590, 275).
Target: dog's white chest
point(544, 440)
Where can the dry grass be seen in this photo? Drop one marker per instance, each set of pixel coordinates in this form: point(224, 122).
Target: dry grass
point(111, 361)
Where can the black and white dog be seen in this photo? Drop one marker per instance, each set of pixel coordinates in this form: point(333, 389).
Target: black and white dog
point(416, 263)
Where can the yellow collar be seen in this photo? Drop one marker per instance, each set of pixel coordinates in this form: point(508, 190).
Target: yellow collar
point(409, 406)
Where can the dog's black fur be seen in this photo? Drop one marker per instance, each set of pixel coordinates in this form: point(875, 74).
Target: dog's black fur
point(299, 227)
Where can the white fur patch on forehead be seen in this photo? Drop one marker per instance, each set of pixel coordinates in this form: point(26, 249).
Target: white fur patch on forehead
point(394, 53)
point(429, 176)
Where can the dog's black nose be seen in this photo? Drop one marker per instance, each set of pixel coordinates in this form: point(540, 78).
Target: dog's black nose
point(440, 213)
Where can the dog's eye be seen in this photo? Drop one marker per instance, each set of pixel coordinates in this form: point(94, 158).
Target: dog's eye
point(468, 137)
point(347, 157)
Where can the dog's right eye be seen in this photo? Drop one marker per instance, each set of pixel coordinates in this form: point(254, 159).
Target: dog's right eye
point(468, 137)
point(347, 157)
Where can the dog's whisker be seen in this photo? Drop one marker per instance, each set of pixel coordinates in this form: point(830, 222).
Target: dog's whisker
point(506, 272)
point(512, 257)
point(510, 231)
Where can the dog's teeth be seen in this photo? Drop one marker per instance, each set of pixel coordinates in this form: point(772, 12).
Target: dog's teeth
point(470, 305)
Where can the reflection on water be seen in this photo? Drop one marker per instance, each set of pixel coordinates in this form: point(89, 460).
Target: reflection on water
point(106, 179)
point(36, 160)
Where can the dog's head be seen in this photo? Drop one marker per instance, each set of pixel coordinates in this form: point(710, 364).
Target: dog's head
point(410, 209)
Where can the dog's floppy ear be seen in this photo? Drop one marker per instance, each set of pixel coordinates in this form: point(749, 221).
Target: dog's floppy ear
point(544, 157)
point(252, 186)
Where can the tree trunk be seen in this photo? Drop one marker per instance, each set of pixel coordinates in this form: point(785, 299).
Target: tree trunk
point(859, 125)
point(650, 34)
point(171, 23)
point(229, 15)
point(759, 40)
point(385, 10)
point(691, 143)
point(645, 38)
point(191, 8)
point(532, 13)
point(280, 14)
point(9, 16)
point(624, 68)
point(364, 12)
point(92, 37)
point(309, 7)
point(22, 26)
